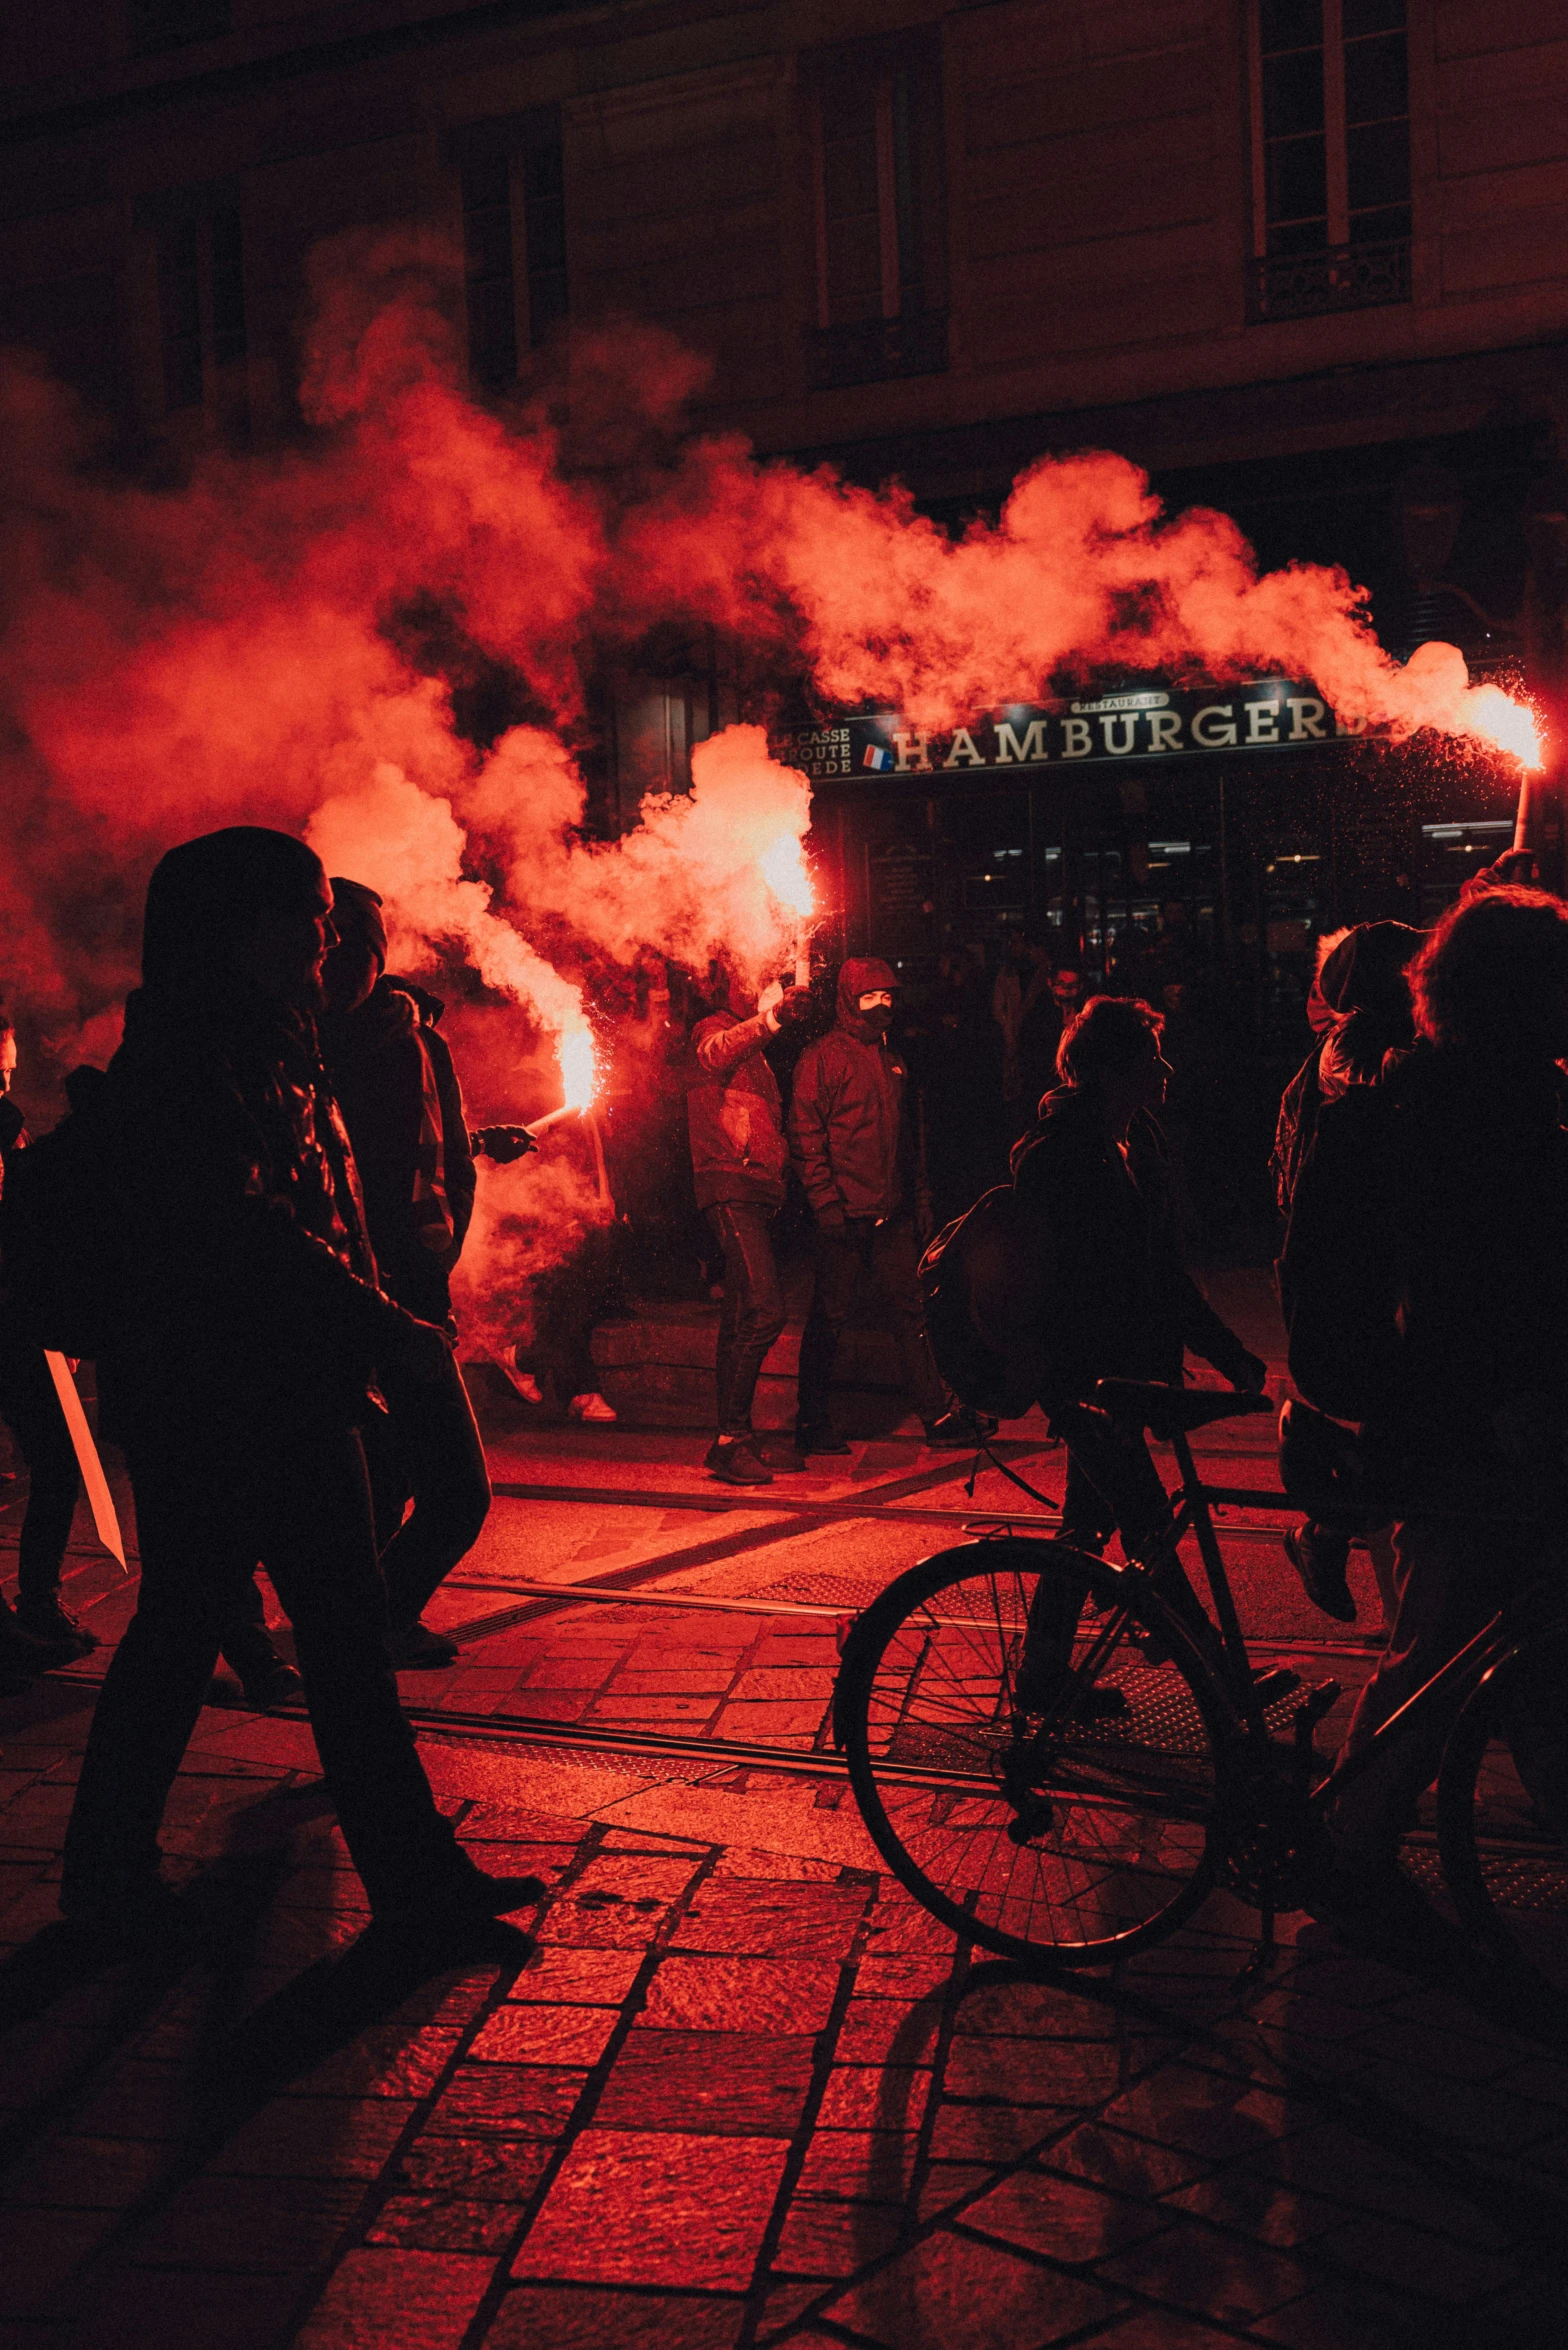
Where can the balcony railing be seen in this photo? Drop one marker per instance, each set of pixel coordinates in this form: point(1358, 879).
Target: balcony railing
point(876, 350)
point(1343, 277)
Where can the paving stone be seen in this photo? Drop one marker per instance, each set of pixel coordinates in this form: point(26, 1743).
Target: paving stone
point(1416, 2260)
point(739, 1994)
point(497, 2170)
point(1211, 2274)
point(774, 1920)
point(444, 2223)
point(39, 2250)
point(273, 2226)
point(873, 2097)
point(1133, 2166)
point(1258, 2205)
point(617, 1902)
point(876, 2030)
point(1066, 2219)
point(794, 1724)
point(417, 2300)
point(535, 2034)
point(85, 2174)
point(741, 2083)
point(884, 1975)
point(859, 2165)
point(995, 2133)
point(181, 2309)
point(586, 1978)
point(702, 2206)
point(574, 2317)
point(315, 2138)
point(823, 2239)
point(1030, 2072)
point(968, 2295)
point(512, 2101)
point(1162, 2329)
point(1182, 2108)
point(385, 2060)
point(1359, 2317)
point(140, 2100)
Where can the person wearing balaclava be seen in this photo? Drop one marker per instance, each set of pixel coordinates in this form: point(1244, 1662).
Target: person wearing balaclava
point(245, 1328)
point(846, 1135)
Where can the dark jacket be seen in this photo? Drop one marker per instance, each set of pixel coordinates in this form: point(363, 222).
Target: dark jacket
point(734, 1114)
point(249, 1308)
point(1359, 1006)
point(393, 1077)
point(846, 1109)
point(1116, 1300)
point(1425, 1272)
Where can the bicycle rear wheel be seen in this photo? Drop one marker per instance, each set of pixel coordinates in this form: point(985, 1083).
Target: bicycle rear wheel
point(1502, 1811)
point(1076, 1833)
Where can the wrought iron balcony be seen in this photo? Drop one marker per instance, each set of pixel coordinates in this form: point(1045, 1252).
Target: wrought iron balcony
point(1342, 277)
point(876, 350)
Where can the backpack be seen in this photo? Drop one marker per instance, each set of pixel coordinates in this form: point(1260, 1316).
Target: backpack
point(59, 1256)
point(982, 1289)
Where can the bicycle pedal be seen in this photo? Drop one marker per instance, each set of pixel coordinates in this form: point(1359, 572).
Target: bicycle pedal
point(1277, 1682)
point(1312, 1708)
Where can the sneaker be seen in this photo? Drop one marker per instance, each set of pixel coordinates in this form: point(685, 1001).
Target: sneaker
point(48, 1621)
point(958, 1431)
point(823, 1439)
point(269, 1685)
point(23, 1656)
point(1320, 1558)
point(451, 1908)
point(737, 1461)
point(415, 1648)
point(595, 1408)
point(528, 1387)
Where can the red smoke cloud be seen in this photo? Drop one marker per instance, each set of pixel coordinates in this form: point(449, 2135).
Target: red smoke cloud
point(230, 649)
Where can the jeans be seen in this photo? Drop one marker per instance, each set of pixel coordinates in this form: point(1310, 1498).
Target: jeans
point(425, 1447)
point(300, 1503)
point(752, 1314)
point(889, 1253)
point(31, 1410)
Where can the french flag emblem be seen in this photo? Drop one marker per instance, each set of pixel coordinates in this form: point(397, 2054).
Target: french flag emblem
point(876, 757)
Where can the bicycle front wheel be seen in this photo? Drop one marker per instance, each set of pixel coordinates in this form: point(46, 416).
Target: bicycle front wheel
point(1047, 1805)
point(1502, 1811)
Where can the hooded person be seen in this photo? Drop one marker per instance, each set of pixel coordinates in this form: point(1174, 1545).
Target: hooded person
point(735, 1127)
point(847, 1140)
point(1359, 1010)
point(244, 1330)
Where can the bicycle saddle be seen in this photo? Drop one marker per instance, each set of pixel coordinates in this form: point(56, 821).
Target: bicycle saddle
point(1136, 1404)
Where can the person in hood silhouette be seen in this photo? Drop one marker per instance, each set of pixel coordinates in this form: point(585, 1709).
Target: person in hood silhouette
point(846, 1139)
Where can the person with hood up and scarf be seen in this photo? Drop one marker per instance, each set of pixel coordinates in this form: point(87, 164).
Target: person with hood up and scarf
point(846, 1138)
point(246, 1327)
point(735, 1122)
point(1359, 1010)
point(1115, 1300)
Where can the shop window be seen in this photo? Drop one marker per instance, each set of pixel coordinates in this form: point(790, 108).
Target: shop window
point(512, 183)
point(171, 24)
point(1331, 156)
point(201, 304)
point(881, 281)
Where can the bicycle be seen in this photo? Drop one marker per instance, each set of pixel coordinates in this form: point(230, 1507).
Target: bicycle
point(1070, 1821)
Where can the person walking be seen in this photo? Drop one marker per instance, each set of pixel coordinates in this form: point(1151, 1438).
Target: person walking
point(735, 1126)
point(1359, 1010)
point(846, 1136)
point(41, 1631)
point(245, 1329)
point(1425, 1285)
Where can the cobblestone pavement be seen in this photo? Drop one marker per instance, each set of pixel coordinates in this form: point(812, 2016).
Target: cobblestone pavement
point(737, 2089)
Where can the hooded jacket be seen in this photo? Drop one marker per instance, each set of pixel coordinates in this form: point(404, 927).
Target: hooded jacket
point(734, 1113)
point(846, 1110)
point(1359, 1006)
point(1425, 1271)
point(401, 1101)
point(1116, 1300)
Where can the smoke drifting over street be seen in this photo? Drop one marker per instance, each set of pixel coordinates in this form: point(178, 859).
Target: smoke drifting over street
point(235, 648)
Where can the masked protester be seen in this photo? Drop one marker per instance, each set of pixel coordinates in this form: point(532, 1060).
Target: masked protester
point(735, 1124)
point(1425, 1284)
point(42, 1632)
point(846, 1138)
point(247, 1329)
